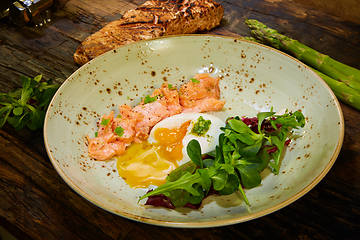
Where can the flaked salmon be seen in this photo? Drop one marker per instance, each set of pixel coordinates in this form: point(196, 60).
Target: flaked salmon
point(200, 94)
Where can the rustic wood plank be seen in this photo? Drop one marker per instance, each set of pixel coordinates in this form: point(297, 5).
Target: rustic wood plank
point(49, 209)
point(48, 54)
point(36, 214)
point(346, 9)
point(314, 28)
point(41, 173)
point(46, 178)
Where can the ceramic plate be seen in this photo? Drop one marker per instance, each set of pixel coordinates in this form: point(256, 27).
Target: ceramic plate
point(254, 78)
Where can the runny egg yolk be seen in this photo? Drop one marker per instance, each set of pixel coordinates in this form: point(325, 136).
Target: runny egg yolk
point(169, 142)
point(145, 164)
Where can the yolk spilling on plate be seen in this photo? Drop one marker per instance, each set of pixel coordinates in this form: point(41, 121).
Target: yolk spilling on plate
point(169, 142)
point(145, 164)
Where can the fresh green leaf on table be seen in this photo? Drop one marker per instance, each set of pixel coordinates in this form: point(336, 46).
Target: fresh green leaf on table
point(26, 106)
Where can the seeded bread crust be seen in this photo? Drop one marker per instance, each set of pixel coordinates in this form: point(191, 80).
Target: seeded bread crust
point(150, 20)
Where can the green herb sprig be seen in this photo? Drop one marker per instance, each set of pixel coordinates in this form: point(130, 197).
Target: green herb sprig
point(26, 106)
point(236, 163)
point(194, 80)
point(149, 99)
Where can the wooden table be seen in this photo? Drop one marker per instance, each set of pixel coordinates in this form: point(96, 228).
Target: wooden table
point(35, 203)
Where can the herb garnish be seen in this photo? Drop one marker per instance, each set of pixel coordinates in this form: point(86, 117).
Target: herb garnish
point(105, 121)
point(194, 80)
point(201, 126)
point(26, 106)
point(149, 99)
point(242, 154)
point(119, 131)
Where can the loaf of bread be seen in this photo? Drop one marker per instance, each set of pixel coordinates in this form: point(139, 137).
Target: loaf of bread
point(150, 20)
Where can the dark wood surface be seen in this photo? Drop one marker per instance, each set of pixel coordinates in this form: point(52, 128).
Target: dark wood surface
point(35, 203)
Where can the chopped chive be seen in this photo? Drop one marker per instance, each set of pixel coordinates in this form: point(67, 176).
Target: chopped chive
point(119, 131)
point(96, 134)
point(170, 86)
point(194, 80)
point(149, 99)
point(105, 122)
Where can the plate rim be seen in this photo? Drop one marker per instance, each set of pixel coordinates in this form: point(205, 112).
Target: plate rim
point(212, 223)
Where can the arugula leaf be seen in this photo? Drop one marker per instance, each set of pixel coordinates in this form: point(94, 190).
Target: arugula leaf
point(179, 197)
point(181, 170)
point(194, 152)
point(185, 182)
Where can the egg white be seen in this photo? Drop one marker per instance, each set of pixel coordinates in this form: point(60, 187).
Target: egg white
point(207, 142)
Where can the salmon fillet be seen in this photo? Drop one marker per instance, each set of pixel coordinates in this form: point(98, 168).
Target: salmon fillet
point(150, 20)
point(201, 94)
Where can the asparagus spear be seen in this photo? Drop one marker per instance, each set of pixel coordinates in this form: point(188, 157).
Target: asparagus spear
point(325, 64)
point(345, 93)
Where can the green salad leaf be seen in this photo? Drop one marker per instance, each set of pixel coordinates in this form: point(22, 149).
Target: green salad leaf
point(26, 106)
point(242, 154)
point(194, 152)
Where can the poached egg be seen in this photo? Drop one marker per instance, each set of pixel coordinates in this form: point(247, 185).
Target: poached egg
point(149, 162)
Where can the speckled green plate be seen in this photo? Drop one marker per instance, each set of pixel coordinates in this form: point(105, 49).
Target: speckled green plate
point(255, 78)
